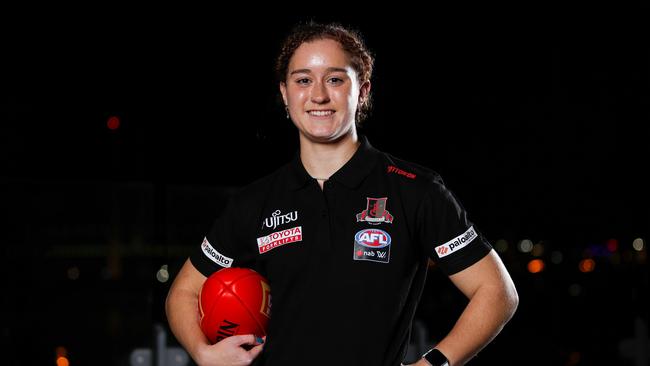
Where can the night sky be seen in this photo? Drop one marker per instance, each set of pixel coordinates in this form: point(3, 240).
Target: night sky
point(538, 122)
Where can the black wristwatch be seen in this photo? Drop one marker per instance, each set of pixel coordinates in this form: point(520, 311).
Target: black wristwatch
point(436, 358)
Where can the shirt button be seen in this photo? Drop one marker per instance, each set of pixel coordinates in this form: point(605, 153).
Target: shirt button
point(324, 213)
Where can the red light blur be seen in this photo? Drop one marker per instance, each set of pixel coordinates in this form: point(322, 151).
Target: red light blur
point(612, 245)
point(113, 123)
point(587, 265)
point(535, 266)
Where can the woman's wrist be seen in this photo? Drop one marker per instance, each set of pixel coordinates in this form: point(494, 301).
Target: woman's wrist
point(435, 358)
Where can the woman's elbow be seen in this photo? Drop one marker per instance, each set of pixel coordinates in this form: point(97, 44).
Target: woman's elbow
point(511, 300)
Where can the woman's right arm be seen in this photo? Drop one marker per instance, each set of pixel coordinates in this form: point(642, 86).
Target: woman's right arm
point(183, 317)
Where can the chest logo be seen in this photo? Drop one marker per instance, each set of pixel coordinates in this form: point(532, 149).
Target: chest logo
point(279, 238)
point(375, 212)
point(372, 245)
point(277, 218)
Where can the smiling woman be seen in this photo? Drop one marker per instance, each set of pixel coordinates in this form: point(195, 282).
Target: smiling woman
point(322, 91)
point(362, 227)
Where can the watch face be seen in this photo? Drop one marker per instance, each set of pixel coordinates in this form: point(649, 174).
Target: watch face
point(436, 358)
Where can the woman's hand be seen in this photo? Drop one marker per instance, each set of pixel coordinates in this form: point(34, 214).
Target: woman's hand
point(230, 351)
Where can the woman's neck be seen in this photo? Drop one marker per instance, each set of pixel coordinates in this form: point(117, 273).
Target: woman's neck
point(321, 160)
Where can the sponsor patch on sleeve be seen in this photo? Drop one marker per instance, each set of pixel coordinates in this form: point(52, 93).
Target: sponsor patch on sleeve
point(214, 255)
point(456, 243)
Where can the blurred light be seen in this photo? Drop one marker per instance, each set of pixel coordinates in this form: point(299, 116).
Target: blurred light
point(163, 274)
point(525, 246)
point(73, 273)
point(574, 359)
point(587, 265)
point(62, 361)
point(638, 244)
point(575, 289)
point(61, 352)
point(557, 257)
point(538, 249)
point(105, 273)
point(501, 245)
point(597, 250)
point(612, 245)
point(535, 266)
point(628, 256)
point(113, 122)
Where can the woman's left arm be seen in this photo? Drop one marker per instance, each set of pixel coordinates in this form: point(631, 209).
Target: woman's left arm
point(492, 302)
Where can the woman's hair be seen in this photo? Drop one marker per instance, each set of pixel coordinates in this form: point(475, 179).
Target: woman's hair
point(351, 41)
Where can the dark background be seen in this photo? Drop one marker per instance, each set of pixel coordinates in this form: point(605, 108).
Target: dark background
point(537, 118)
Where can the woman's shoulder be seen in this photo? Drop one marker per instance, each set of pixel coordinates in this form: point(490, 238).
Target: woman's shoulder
point(411, 171)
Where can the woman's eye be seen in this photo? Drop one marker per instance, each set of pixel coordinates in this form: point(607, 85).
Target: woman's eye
point(336, 80)
point(303, 81)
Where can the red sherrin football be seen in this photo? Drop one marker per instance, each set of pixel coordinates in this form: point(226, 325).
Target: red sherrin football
point(234, 301)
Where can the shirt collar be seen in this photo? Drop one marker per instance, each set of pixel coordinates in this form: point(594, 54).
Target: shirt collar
point(351, 174)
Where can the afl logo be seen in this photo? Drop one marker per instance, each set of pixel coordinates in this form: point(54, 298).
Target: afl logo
point(372, 238)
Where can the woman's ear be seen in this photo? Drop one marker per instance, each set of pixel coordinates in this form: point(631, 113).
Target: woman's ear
point(283, 91)
point(364, 92)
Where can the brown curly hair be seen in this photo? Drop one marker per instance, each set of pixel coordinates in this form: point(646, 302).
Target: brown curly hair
point(351, 41)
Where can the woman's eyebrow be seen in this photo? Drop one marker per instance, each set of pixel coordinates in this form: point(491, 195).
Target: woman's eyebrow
point(308, 71)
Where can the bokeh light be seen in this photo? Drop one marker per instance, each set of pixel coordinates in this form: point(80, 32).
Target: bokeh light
point(525, 246)
point(587, 265)
point(538, 250)
point(73, 273)
point(575, 289)
point(557, 257)
point(113, 123)
point(162, 275)
point(535, 266)
point(612, 245)
point(638, 244)
point(501, 245)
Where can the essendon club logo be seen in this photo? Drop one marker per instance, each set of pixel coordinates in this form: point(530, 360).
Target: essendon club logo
point(375, 212)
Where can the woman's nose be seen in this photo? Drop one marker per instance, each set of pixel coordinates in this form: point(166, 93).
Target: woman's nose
point(319, 93)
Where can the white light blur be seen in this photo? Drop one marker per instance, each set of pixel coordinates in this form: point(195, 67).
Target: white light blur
point(575, 289)
point(162, 275)
point(73, 273)
point(525, 246)
point(501, 245)
point(638, 244)
point(557, 257)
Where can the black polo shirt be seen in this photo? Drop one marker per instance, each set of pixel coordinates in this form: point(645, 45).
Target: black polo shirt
point(346, 264)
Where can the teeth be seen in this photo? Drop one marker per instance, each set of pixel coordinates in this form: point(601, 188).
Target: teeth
point(320, 113)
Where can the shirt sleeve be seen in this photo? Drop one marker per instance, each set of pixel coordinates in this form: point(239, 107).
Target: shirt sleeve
point(446, 234)
point(224, 245)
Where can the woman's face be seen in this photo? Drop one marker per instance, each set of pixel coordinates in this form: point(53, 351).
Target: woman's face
point(322, 91)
